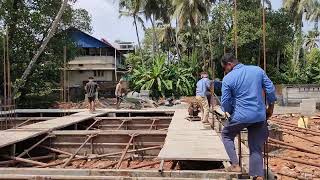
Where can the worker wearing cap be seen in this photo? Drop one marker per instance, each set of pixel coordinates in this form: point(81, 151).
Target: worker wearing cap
point(242, 98)
point(203, 88)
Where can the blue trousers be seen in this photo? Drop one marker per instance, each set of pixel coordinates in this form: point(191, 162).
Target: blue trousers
point(257, 136)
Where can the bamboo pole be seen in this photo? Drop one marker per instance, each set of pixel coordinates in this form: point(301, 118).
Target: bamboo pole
point(23, 123)
point(60, 151)
point(123, 121)
point(95, 122)
point(64, 73)
point(33, 146)
point(235, 26)
point(125, 151)
point(264, 37)
point(152, 124)
point(8, 69)
point(50, 156)
point(4, 72)
point(76, 152)
point(29, 161)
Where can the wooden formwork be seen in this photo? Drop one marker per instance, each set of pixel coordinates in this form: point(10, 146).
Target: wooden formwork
point(107, 141)
point(132, 123)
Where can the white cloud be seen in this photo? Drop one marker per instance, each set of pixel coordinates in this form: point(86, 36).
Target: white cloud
point(106, 22)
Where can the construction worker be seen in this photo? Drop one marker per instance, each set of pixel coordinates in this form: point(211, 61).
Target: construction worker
point(242, 98)
point(203, 89)
point(120, 91)
point(91, 90)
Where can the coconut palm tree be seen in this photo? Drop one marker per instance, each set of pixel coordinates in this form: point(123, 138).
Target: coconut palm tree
point(313, 12)
point(311, 40)
point(297, 9)
point(156, 10)
point(191, 12)
point(132, 8)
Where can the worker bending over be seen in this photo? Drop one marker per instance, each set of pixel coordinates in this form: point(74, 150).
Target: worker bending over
point(242, 98)
point(91, 90)
point(120, 92)
point(203, 88)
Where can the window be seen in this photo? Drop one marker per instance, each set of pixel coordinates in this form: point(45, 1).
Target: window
point(98, 73)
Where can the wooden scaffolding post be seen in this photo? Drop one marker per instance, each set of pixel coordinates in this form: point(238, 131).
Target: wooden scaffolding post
point(125, 151)
point(4, 73)
point(8, 69)
point(77, 151)
point(235, 26)
point(64, 73)
point(266, 154)
point(264, 37)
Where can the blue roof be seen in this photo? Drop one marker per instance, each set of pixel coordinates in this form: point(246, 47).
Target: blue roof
point(84, 40)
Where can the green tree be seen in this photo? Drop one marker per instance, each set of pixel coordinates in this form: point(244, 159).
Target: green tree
point(28, 23)
point(313, 66)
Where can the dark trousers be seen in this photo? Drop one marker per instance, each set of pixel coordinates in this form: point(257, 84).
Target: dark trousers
point(257, 136)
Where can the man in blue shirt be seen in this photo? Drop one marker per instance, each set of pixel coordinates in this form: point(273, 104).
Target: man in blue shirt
point(203, 88)
point(243, 99)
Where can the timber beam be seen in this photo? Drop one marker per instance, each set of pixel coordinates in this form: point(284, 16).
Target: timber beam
point(58, 173)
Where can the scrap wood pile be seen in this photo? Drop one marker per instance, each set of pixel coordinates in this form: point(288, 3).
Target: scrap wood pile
point(298, 156)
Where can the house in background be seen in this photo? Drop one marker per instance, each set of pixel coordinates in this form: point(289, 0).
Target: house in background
point(96, 58)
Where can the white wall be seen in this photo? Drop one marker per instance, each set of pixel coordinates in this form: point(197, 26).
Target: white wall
point(296, 94)
point(76, 78)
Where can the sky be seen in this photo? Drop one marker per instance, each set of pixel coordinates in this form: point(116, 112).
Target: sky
point(107, 24)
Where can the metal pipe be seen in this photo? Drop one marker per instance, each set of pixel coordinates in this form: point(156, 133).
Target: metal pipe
point(297, 147)
point(304, 138)
point(296, 160)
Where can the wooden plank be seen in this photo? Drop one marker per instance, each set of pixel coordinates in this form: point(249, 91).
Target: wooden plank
point(135, 118)
point(13, 136)
point(189, 140)
point(136, 174)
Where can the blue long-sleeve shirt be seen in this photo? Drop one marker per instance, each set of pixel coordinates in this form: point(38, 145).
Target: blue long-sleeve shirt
point(242, 94)
point(203, 86)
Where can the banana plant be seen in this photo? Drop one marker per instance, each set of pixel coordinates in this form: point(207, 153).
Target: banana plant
point(154, 78)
